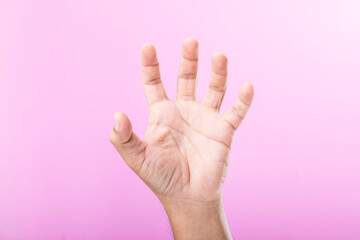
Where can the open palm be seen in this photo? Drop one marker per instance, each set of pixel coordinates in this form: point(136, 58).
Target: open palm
point(185, 151)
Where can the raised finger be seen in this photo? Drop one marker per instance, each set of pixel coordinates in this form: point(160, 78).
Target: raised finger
point(238, 111)
point(150, 70)
point(187, 76)
point(218, 81)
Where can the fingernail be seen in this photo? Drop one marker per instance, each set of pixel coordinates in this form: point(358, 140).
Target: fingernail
point(116, 124)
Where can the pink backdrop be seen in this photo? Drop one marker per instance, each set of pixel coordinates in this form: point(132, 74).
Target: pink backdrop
point(66, 66)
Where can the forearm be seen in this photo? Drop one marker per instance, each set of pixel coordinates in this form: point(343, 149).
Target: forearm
point(198, 220)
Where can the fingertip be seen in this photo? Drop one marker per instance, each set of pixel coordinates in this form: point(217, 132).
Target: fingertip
point(117, 115)
point(219, 62)
point(122, 127)
point(147, 46)
point(219, 56)
point(190, 48)
point(247, 93)
point(191, 42)
point(148, 55)
point(248, 86)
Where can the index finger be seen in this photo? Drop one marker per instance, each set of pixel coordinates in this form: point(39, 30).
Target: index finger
point(150, 71)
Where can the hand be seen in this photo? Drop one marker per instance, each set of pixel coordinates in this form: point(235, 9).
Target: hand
point(184, 155)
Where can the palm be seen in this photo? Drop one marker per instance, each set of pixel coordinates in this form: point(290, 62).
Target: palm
point(181, 140)
point(184, 154)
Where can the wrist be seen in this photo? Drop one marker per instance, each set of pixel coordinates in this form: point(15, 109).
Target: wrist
point(191, 219)
point(185, 206)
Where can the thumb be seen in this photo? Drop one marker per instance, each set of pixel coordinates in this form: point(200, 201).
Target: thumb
point(130, 147)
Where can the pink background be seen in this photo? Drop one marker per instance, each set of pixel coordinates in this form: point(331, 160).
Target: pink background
point(66, 66)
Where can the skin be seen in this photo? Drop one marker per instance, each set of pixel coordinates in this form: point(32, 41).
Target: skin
point(184, 155)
